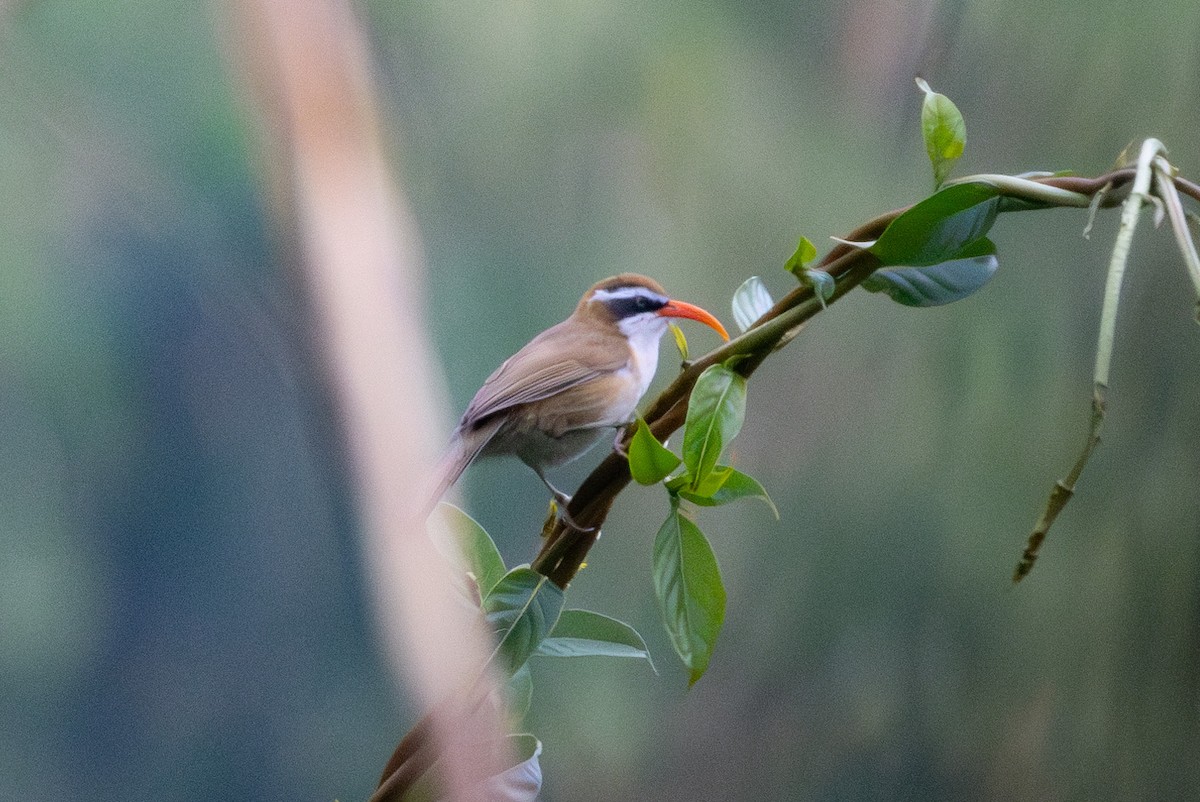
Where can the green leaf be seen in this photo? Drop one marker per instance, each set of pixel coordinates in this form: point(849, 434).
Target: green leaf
point(750, 302)
point(680, 341)
point(690, 593)
point(944, 131)
point(691, 596)
point(1011, 203)
point(676, 483)
point(521, 610)
point(798, 261)
point(822, 282)
point(714, 417)
point(520, 692)
point(711, 483)
point(649, 460)
point(583, 633)
point(937, 284)
point(940, 228)
point(476, 547)
point(736, 485)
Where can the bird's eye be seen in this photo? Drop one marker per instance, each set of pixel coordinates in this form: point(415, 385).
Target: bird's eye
point(641, 303)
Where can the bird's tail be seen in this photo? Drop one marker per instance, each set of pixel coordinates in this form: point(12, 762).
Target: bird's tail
point(461, 452)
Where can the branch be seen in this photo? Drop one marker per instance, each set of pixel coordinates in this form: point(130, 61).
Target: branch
point(565, 549)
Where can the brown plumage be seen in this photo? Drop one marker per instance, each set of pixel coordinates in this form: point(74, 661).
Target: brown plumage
point(556, 397)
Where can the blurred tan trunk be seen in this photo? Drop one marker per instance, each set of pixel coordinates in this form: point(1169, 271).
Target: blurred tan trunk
point(305, 68)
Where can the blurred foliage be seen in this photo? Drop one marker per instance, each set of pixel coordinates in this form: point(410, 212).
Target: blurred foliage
point(182, 613)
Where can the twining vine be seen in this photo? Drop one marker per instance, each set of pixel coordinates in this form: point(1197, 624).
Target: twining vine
point(931, 253)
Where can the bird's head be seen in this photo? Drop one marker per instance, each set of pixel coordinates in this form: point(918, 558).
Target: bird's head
point(637, 305)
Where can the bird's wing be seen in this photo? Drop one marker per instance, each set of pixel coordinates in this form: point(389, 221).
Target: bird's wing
point(539, 370)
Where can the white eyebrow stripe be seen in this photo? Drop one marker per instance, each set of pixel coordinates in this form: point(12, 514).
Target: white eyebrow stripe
point(623, 293)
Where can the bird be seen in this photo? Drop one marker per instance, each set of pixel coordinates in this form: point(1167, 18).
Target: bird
point(555, 398)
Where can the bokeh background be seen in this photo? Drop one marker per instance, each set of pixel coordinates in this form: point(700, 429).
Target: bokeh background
point(183, 613)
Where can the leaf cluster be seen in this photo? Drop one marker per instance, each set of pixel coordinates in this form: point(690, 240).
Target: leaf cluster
point(687, 578)
point(525, 610)
point(525, 613)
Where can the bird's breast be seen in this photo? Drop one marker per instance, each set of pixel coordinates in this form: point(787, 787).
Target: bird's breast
point(643, 358)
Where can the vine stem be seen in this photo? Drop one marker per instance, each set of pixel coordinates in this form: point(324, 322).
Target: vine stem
point(1064, 489)
point(1120, 257)
point(1167, 192)
point(1028, 189)
point(564, 549)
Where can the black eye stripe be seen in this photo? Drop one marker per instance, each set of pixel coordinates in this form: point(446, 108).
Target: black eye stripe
point(634, 305)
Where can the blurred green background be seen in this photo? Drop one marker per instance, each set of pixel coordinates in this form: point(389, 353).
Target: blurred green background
point(183, 614)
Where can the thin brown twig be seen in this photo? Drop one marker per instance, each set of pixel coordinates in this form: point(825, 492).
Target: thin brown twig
point(1189, 188)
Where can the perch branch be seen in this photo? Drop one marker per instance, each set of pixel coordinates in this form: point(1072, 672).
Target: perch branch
point(564, 549)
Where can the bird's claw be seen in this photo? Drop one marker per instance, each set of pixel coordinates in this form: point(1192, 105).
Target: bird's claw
point(619, 444)
point(561, 500)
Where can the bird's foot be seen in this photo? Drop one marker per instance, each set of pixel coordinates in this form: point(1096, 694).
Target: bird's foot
point(624, 434)
point(559, 510)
